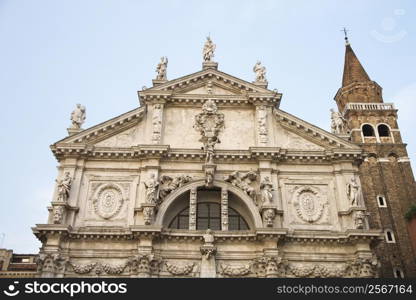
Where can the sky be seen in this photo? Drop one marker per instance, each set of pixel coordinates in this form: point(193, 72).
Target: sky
point(55, 54)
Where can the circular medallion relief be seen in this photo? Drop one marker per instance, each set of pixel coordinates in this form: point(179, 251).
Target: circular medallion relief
point(108, 200)
point(308, 204)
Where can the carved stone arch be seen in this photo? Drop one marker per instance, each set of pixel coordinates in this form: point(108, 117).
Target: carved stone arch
point(246, 199)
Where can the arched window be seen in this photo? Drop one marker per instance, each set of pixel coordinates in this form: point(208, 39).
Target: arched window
point(383, 130)
point(209, 216)
point(368, 130)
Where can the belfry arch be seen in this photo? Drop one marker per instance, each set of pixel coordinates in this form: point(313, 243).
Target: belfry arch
point(245, 204)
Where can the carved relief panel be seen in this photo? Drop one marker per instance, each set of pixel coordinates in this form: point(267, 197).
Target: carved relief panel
point(307, 205)
point(108, 200)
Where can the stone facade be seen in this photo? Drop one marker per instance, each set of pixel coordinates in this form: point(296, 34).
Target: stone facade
point(210, 151)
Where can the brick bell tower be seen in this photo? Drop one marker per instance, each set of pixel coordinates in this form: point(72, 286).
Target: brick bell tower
point(386, 176)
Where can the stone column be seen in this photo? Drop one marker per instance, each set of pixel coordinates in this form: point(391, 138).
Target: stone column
point(224, 209)
point(192, 209)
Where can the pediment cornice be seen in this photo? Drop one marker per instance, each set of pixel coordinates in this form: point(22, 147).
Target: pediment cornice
point(177, 90)
point(312, 132)
point(103, 130)
point(164, 152)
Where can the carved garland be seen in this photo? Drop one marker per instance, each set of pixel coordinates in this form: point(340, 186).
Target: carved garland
point(179, 270)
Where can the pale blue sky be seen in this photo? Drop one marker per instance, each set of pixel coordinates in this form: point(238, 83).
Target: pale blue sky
point(54, 54)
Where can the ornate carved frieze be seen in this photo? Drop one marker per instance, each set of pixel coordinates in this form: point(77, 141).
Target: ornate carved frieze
point(234, 271)
point(179, 270)
point(108, 200)
point(316, 270)
point(243, 181)
point(99, 268)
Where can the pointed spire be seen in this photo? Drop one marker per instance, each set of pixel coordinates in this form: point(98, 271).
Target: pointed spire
point(353, 70)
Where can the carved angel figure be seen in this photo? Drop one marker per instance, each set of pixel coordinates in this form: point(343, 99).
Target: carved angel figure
point(353, 191)
point(152, 186)
point(338, 123)
point(266, 188)
point(260, 72)
point(64, 186)
point(78, 116)
point(168, 184)
point(209, 48)
point(161, 68)
point(243, 181)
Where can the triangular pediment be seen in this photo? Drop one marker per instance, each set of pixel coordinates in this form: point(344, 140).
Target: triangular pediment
point(197, 83)
point(296, 133)
point(116, 131)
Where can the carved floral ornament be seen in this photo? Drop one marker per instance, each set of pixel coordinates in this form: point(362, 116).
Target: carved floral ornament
point(308, 203)
point(108, 200)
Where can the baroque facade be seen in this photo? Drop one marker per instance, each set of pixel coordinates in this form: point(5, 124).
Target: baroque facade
point(209, 178)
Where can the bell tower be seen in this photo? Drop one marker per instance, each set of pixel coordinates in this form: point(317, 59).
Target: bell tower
point(388, 184)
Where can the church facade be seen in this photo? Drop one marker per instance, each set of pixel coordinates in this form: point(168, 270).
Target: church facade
point(209, 178)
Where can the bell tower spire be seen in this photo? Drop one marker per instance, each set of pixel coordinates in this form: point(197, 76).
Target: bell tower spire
point(357, 87)
point(386, 176)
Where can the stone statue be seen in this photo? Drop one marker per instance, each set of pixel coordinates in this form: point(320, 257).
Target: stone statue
point(151, 186)
point(266, 188)
point(353, 191)
point(338, 123)
point(209, 48)
point(78, 116)
point(260, 72)
point(64, 186)
point(209, 149)
point(161, 68)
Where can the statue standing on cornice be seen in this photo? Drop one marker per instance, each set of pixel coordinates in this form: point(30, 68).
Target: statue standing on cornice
point(260, 72)
point(353, 191)
point(209, 48)
point(161, 68)
point(78, 116)
point(338, 123)
point(152, 186)
point(64, 186)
